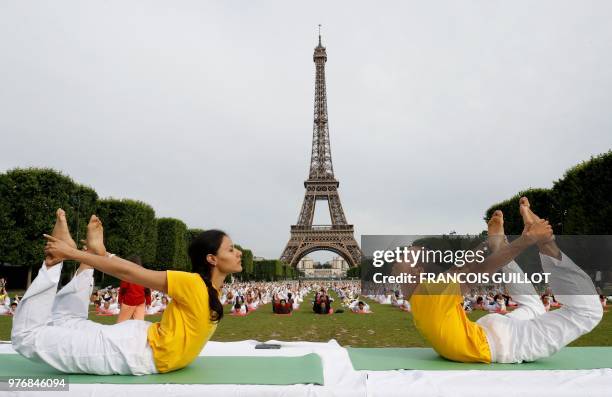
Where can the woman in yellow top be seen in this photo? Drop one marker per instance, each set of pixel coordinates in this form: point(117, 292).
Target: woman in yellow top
point(53, 328)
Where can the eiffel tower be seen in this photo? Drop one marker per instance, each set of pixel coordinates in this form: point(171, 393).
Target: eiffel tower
point(321, 186)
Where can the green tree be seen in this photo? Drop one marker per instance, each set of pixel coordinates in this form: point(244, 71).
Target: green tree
point(172, 244)
point(247, 261)
point(542, 203)
point(10, 235)
point(583, 197)
point(263, 270)
point(31, 196)
point(193, 233)
point(354, 272)
point(578, 203)
point(130, 228)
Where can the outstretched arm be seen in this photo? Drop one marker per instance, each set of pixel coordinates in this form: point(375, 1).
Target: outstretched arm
point(534, 233)
point(57, 251)
point(498, 259)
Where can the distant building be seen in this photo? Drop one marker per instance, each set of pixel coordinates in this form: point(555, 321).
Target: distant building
point(339, 263)
point(334, 268)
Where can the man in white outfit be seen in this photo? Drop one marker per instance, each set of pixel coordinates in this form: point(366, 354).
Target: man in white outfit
point(529, 332)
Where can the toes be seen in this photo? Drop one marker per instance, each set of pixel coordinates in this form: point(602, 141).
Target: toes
point(94, 221)
point(526, 214)
point(524, 201)
point(61, 214)
point(497, 215)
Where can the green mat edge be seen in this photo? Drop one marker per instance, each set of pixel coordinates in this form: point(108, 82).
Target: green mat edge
point(437, 363)
point(312, 361)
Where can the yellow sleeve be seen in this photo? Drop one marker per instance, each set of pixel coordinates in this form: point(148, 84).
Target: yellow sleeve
point(186, 288)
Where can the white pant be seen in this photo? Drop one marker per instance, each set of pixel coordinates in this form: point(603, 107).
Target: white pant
point(54, 329)
point(529, 332)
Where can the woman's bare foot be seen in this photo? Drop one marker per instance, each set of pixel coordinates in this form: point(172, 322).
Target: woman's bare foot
point(496, 236)
point(95, 236)
point(60, 230)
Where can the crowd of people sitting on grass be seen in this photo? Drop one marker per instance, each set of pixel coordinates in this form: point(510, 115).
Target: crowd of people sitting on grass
point(246, 297)
point(7, 306)
point(286, 296)
point(349, 294)
point(492, 299)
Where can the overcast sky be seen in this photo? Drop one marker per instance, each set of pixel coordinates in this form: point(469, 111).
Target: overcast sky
point(204, 109)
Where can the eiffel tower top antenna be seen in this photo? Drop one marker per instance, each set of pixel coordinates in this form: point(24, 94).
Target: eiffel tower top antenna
point(321, 167)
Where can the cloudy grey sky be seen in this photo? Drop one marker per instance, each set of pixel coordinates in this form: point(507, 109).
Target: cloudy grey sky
point(437, 109)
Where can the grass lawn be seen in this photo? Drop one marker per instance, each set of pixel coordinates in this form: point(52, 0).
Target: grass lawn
point(386, 327)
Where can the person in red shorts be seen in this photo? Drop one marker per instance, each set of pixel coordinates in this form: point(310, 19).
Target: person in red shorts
point(133, 298)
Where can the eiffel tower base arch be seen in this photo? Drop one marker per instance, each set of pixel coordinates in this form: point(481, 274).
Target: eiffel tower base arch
point(306, 239)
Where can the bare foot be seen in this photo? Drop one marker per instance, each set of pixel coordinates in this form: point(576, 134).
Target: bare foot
point(525, 209)
point(95, 236)
point(60, 230)
point(497, 238)
point(529, 217)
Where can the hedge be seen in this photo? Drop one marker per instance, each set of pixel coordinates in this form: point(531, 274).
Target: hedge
point(130, 228)
point(29, 199)
point(172, 245)
point(578, 203)
point(584, 197)
point(247, 261)
point(354, 272)
point(192, 234)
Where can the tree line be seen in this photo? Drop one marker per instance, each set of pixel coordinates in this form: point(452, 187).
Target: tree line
point(580, 203)
point(30, 196)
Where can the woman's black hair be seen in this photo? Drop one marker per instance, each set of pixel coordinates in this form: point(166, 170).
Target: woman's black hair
point(206, 243)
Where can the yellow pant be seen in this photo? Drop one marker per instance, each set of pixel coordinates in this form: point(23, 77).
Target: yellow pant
point(439, 316)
